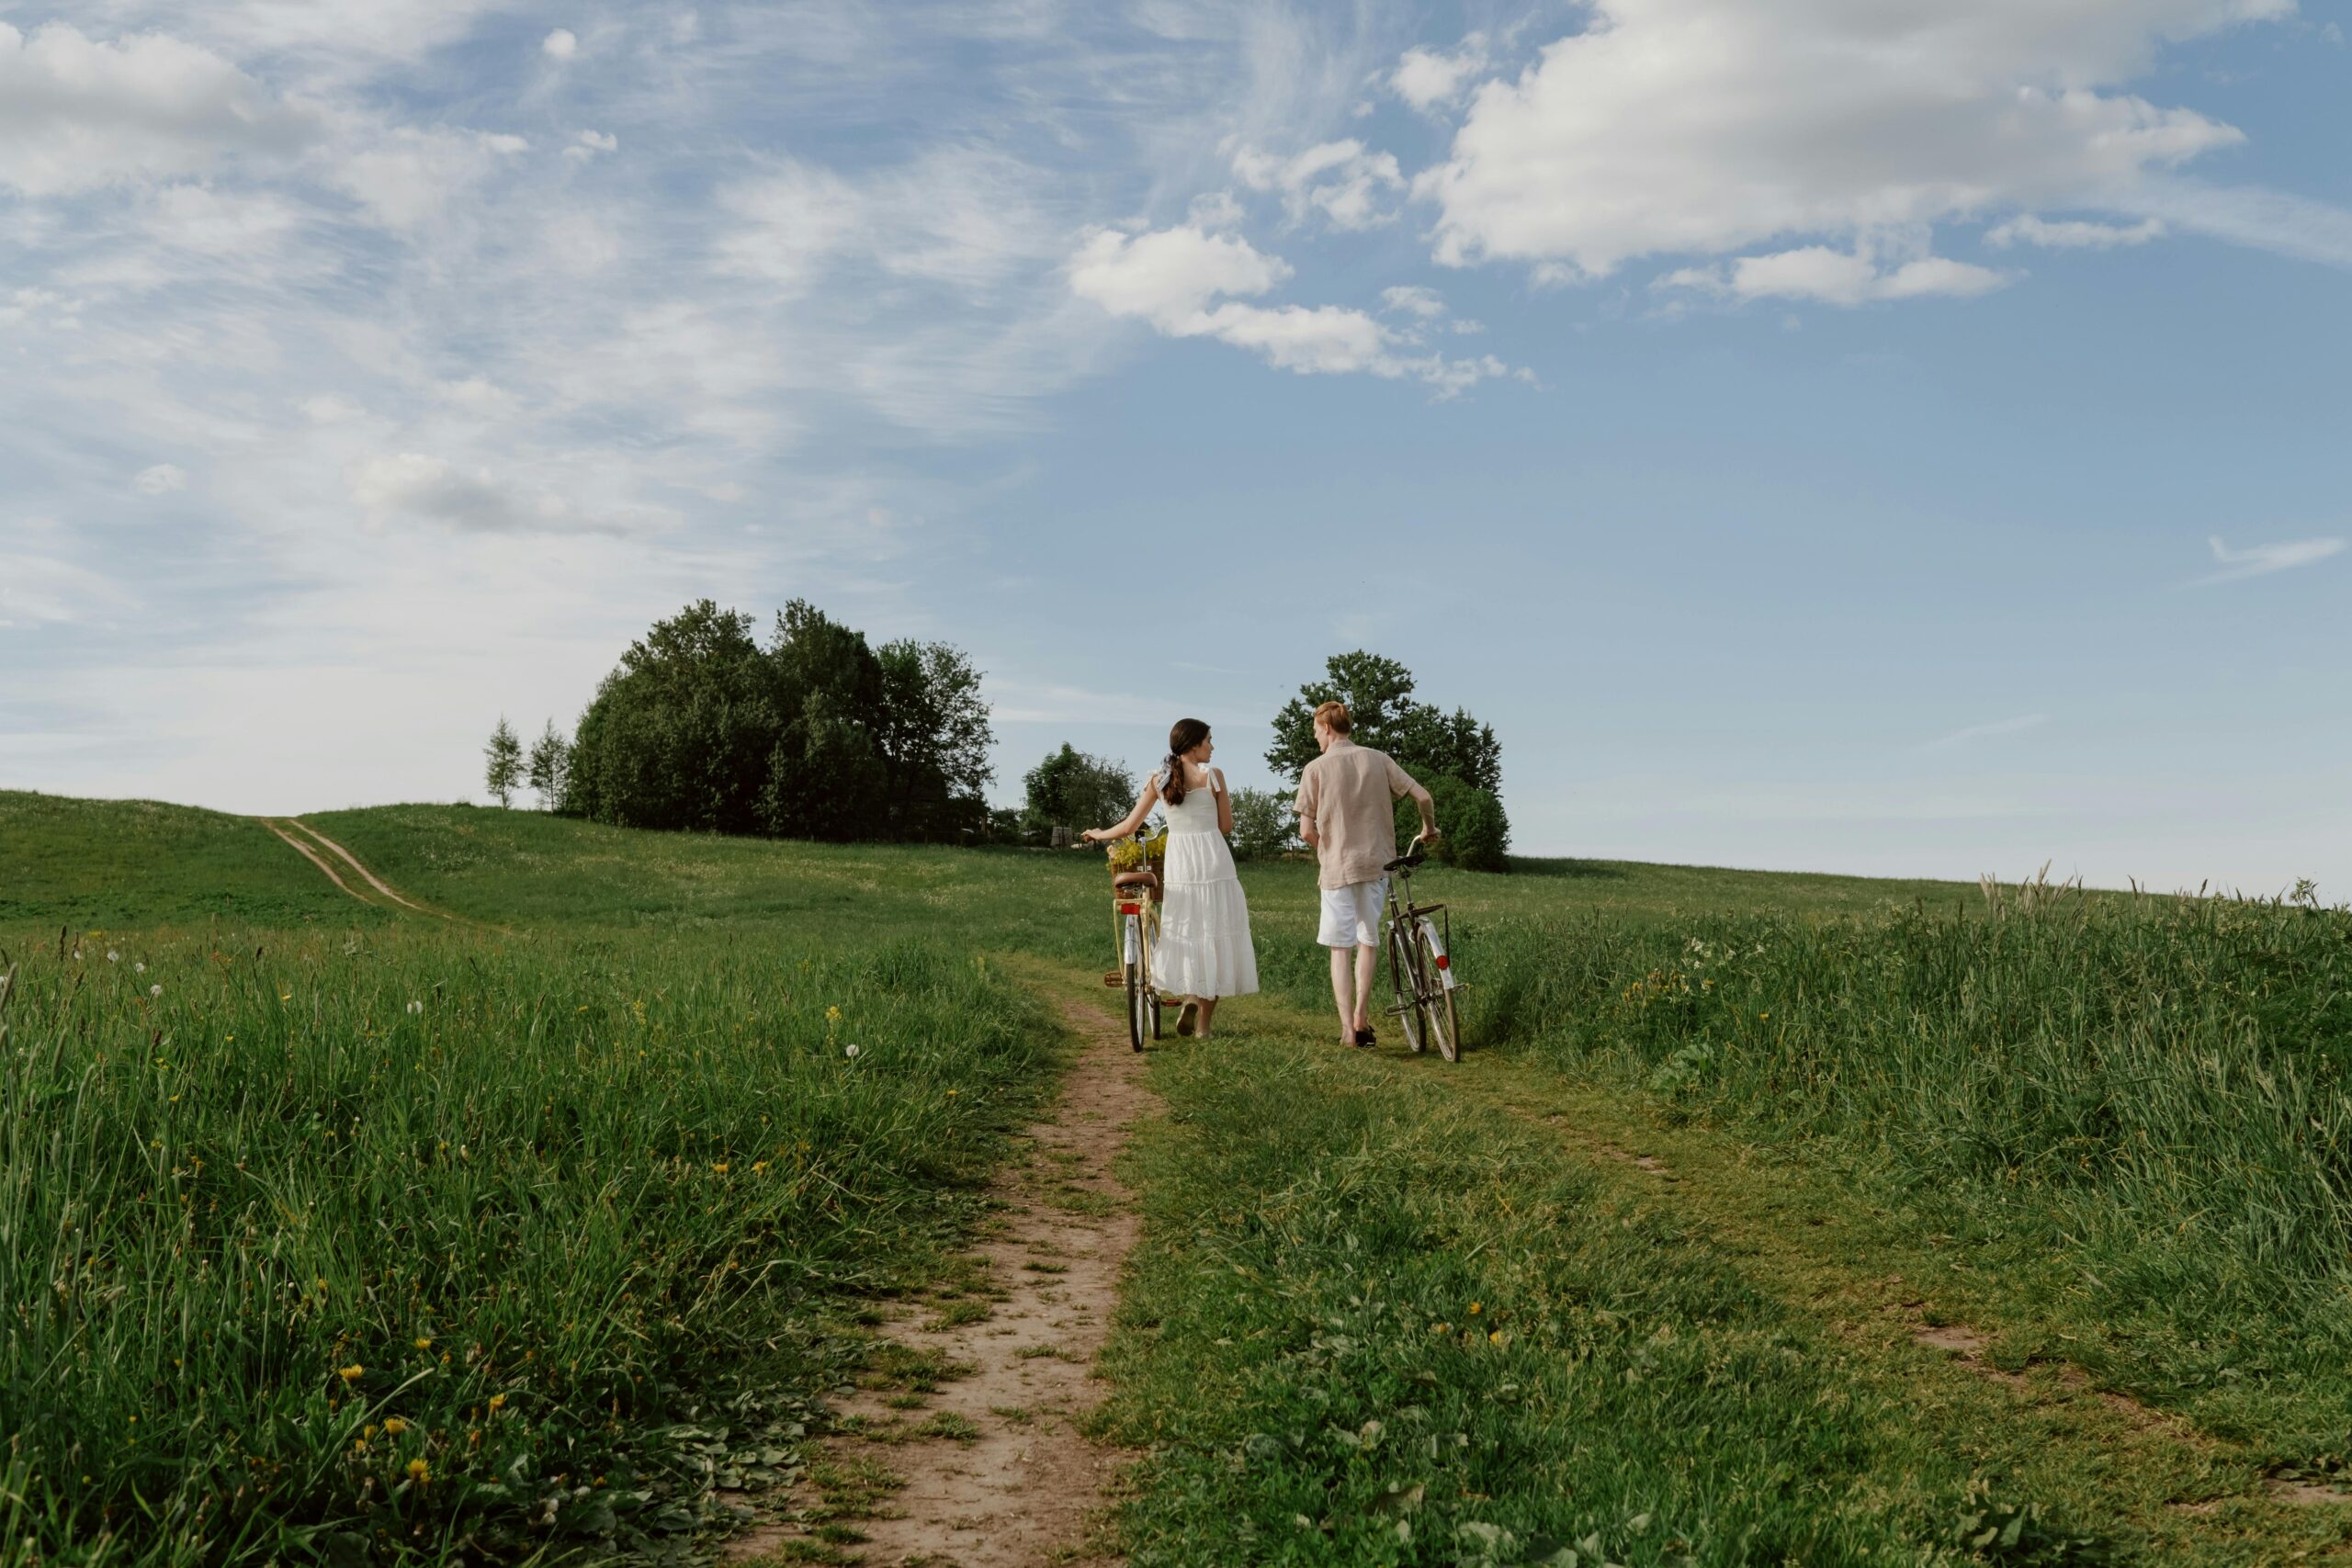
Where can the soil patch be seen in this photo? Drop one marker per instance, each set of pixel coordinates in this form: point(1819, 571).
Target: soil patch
point(963, 1448)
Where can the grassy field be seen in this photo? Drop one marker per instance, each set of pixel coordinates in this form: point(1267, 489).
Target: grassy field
point(2105, 1141)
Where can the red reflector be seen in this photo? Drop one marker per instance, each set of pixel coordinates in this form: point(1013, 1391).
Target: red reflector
point(1131, 908)
point(1440, 961)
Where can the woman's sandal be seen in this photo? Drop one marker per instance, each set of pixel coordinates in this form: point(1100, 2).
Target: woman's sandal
point(1184, 1016)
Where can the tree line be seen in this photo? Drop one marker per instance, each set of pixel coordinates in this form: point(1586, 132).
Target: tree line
point(814, 733)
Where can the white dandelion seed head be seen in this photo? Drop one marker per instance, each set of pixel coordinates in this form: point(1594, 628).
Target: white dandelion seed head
point(140, 968)
point(416, 1007)
point(849, 1051)
point(154, 990)
point(78, 955)
point(112, 956)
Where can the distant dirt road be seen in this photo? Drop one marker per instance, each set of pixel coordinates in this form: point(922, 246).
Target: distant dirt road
point(308, 841)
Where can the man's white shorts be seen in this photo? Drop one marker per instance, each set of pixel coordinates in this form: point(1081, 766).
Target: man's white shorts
point(1351, 914)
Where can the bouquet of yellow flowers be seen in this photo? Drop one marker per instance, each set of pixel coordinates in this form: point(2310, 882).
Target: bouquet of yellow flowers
point(1129, 854)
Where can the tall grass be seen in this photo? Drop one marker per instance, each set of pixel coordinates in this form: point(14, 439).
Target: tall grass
point(403, 1241)
point(2154, 1087)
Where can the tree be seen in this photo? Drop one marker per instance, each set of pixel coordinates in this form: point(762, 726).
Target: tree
point(1073, 789)
point(1475, 831)
point(505, 754)
point(1263, 826)
point(825, 775)
point(550, 767)
point(935, 738)
point(679, 735)
point(1388, 717)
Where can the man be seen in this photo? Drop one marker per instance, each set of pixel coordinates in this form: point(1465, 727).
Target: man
point(1347, 811)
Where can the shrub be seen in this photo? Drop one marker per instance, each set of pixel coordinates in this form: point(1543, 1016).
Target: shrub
point(1477, 831)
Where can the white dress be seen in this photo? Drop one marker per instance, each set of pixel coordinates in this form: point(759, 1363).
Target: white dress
point(1204, 949)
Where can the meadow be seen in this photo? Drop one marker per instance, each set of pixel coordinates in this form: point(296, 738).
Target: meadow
point(601, 1144)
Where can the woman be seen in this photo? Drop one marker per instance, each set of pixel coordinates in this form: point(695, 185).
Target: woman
point(1204, 950)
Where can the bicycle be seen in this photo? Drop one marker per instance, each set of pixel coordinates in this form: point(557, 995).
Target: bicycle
point(1135, 927)
point(1417, 965)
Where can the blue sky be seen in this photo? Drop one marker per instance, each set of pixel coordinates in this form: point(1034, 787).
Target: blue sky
point(1889, 437)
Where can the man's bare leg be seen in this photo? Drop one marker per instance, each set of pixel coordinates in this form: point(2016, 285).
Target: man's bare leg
point(1341, 989)
point(1367, 969)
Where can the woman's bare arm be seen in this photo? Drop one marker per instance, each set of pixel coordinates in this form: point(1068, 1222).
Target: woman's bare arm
point(1133, 821)
point(1224, 802)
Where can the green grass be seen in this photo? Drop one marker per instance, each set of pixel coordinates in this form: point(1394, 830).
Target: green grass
point(2113, 1134)
point(371, 1241)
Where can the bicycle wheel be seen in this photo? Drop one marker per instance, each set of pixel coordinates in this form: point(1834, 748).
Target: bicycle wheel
point(1138, 982)
point(1444, 1024)
point(1404, 975)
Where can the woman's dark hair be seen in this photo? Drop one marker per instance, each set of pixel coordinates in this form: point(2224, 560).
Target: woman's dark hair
point(1186, 734)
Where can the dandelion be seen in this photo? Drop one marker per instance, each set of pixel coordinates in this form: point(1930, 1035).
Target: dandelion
point(394, 1426)
point(419, 1471)
point(951, 1094)
point(112, 956)
point(416, 1007)
point(154, 990)
point(78, 955)
point(351, 1373)
point(1496, 1337)
point(832, 1014)
point(286, 995)
point(1475, 1309)
point(849, 1051)
point(140, 967)
point(498, 1402)
point(423, 1342)
point(1440, 1328)
point(719, 1167)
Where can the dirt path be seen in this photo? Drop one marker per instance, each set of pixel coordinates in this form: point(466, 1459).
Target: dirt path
point(963, 1451)
point(309, 842)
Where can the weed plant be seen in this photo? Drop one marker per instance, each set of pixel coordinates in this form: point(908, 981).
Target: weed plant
point(419, 1241)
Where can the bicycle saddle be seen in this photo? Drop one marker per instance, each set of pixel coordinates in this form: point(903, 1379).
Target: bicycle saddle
point(1134, 879)
point(1410, 859)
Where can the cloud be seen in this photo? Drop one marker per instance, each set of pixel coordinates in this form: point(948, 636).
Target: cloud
point(2259, 561)
point(2071, 235)
point(561, 44)
point(160, 480)
point(1430, 79)
point(77, 113)
point(588, 143)
point(1413, 300)
point(1339, 179)
point(474, 500)
point(408, 177)
point(37, 591)
point(1169, 277)
point(1705, 127)
point(1836, 278)
point(1960, 737)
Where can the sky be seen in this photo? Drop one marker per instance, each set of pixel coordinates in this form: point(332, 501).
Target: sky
point(1861, 435)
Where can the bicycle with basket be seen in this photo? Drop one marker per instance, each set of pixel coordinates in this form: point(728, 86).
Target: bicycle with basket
point(1138, 872)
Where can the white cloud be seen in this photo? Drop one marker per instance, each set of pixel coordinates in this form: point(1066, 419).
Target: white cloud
point(1709, 125)
point(1340, 179)
point(160, 480)
point(561, 44)
point(1960, 737)
point(1836, 278)
point(37, 591)
point(407, 178)
point(2259, 561)
point(1431, 79)
point(1170, 277)
point(475, 500)
point(1413, 300)
point(331, 407)
point(77, 112)
point(2071, 234)
point(588, 143)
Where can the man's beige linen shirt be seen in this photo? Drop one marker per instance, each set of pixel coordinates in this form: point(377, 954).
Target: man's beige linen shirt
point(1348, 794)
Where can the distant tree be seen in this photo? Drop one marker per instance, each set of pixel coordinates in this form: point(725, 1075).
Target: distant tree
point(816, 735)
point(935, 738)
point(1073, 789)
point(550, 767)
point(1475, 831)
point(1389, 717)
point(1263, 826)
point(679, 735)
point(825, 776)
point(505, 755)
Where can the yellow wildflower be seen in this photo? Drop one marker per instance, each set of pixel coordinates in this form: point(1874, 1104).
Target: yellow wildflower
point(419, 1471)
point(394, 1426)
point(498, 1402)
point(424, 1342)
point(351, 1373)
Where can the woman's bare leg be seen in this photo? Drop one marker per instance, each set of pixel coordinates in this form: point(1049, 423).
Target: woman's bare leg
point(1208, 1011)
